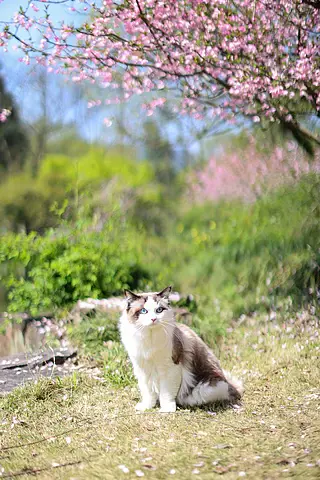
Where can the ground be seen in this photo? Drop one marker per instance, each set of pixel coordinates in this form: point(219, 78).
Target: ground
point(81, 428)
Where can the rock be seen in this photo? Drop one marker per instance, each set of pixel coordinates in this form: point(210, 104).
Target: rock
point(91, 305)
point(22, 332)
point(18, 369)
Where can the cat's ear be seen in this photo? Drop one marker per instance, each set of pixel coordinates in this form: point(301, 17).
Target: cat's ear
point(130, 296)
point(165, 292)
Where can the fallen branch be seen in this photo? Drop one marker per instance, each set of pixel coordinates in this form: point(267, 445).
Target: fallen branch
point(35, 471)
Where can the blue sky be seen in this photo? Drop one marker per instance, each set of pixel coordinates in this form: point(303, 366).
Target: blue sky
point(9, 7)
point(18, 78)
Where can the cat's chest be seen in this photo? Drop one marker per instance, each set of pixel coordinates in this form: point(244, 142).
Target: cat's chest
point(155, 348)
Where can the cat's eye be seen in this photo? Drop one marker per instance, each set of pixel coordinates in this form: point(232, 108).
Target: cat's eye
point(159, 310)
point(143, 310)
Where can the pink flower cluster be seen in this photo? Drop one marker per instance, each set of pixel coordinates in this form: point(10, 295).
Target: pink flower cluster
point(249, 174)
point(4, 114)
point(258, 58)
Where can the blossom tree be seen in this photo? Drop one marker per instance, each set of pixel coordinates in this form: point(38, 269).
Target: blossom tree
point(226, 58)
point(249, 174)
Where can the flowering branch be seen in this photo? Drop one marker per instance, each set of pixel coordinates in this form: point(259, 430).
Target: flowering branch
point(226, 58)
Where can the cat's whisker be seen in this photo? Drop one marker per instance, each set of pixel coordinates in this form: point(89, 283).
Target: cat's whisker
point(167, 333)
point(162, 322)
point(141, 328)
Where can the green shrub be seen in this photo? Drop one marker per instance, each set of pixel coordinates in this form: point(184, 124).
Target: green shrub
point(93, 333)
point(81, 185)
point(98, 339)
point(94, 167)
point(63, 266)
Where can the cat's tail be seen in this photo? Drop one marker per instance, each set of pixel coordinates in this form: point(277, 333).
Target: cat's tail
point(236, 384)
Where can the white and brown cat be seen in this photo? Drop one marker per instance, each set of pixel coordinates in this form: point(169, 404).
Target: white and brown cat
point(171, 363)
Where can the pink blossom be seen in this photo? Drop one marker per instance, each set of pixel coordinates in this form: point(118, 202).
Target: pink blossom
point(34, 7)
point(107, 122)
point(4, 114)
point(221, 56)
point(247, 175)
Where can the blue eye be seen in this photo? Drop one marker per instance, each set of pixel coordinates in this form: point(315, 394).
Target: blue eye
point(159, 310)
point(143, 310)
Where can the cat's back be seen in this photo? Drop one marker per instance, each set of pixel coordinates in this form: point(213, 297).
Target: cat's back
point(192, 352)
point(190, 339)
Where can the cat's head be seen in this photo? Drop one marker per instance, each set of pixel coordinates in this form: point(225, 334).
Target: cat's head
point(149, 309)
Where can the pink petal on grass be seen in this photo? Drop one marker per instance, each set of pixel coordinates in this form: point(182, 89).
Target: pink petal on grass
point(123, 468)
point(139, 473)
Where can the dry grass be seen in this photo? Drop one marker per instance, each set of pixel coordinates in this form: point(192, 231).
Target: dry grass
point(78, 428)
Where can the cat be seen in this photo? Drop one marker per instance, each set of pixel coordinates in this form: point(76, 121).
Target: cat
point(170, 361)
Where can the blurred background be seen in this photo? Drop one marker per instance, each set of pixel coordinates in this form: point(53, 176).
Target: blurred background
point(95, 198)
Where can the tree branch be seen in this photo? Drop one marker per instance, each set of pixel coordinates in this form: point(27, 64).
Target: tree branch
point(312, 3)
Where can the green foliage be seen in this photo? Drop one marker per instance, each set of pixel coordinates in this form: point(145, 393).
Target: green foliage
point(25, 204)
point(43, 273)
point(238, 258)
point(160, 153)
point(96, 166)
point(95, 181)
point(98, 338)
point(93, 333)
point(246, 257)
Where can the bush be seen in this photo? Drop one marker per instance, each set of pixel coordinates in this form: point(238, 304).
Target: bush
point(56, 270)
point(98, 338)
point(93, 182)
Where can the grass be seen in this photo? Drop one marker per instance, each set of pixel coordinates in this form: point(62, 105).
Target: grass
point(80, 428)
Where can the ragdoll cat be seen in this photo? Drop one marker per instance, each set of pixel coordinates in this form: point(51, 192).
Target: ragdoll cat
point(172, 364)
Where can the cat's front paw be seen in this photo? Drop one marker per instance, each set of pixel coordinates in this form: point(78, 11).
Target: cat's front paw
point(143, 406)
point(169, 407)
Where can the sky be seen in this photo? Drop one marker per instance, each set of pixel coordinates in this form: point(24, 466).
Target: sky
point(9, 7)
point(19, 81)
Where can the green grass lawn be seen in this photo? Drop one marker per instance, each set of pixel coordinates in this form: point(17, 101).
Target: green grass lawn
point(80, 428)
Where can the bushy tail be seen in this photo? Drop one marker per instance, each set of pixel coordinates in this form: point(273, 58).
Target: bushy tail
point(236, 383)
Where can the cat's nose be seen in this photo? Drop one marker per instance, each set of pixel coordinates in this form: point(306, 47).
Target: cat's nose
point(153, 319)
